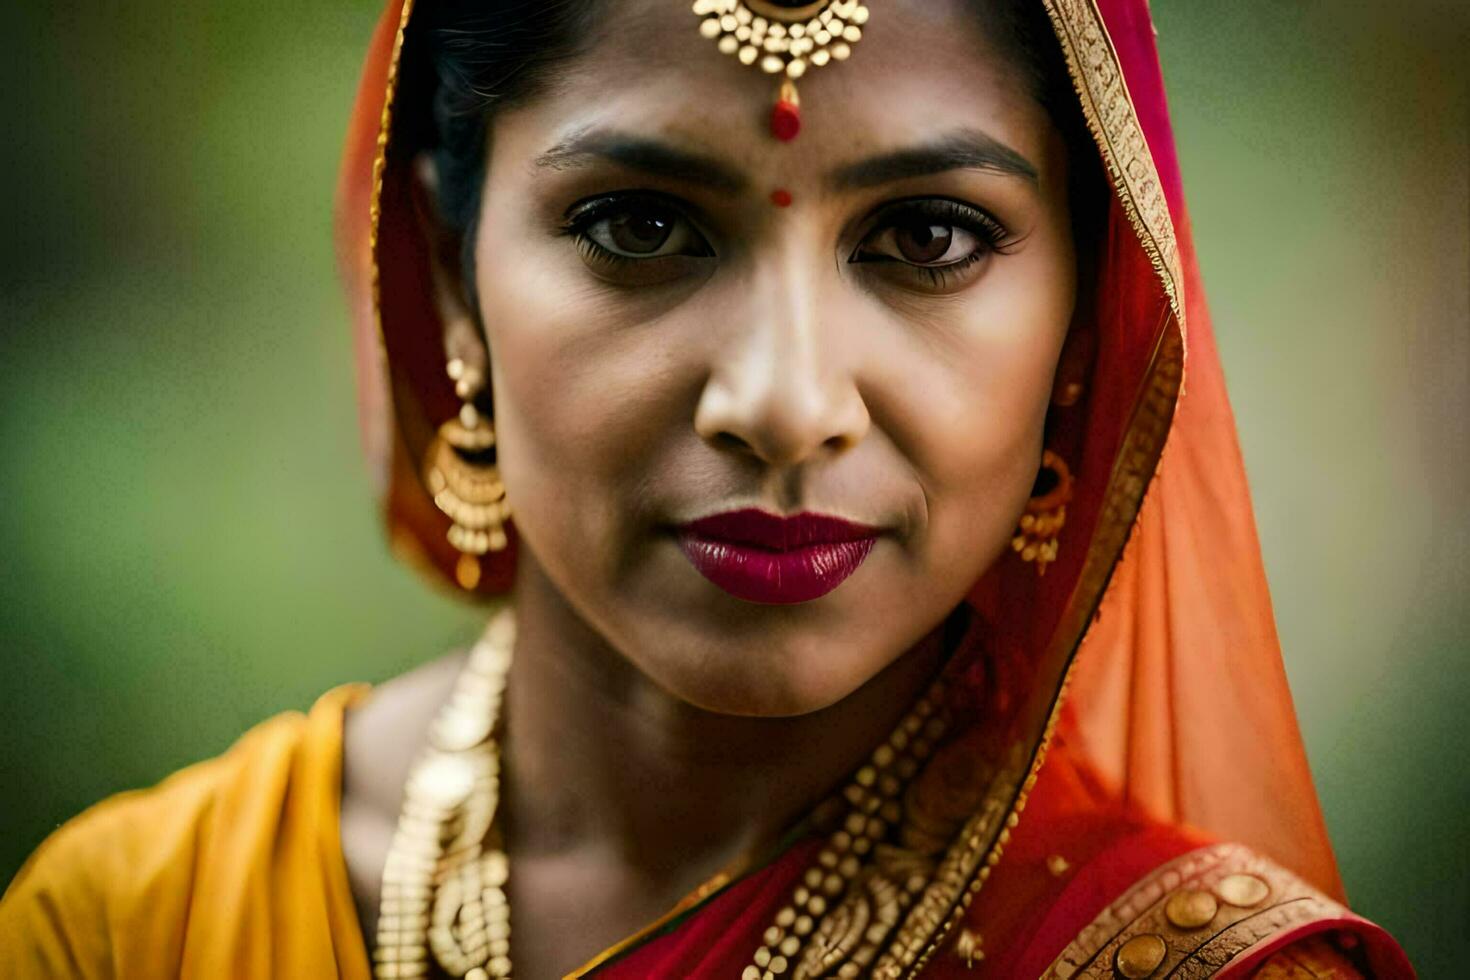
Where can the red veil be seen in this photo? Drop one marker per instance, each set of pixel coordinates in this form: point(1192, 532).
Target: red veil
point(1147, 657)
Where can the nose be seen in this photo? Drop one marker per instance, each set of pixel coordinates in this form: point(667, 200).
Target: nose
point(782, 388)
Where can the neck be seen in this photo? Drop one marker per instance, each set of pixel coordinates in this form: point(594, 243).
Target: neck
point(600, 759)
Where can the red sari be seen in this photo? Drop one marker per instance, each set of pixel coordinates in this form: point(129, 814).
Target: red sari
point(1132, 702)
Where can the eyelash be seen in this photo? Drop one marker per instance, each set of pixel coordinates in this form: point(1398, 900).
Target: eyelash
point(580, 217)
point(595, 253)
point(992, 235)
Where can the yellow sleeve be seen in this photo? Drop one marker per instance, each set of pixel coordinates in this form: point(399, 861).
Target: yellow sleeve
point(42, 917)
point(114, 880)
point(231, 867)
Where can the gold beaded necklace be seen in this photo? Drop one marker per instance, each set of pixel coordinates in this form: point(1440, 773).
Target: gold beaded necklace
point(444, 900)
point(444, 879)
point(818, 933)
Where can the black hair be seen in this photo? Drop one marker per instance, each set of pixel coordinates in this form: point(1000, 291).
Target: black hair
point(467, 58)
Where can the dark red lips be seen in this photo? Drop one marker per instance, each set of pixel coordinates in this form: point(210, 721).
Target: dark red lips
point(762, 557)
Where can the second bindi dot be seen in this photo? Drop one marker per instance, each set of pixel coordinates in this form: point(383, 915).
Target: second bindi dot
point(781, 197)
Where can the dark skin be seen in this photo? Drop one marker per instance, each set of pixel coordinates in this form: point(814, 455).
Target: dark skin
point(803, 358)
point(630, 808)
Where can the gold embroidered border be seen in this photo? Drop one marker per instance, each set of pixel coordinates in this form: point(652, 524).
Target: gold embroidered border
point(1113, 121)
point(961, 872)
point(1108, 108)
point(380, 164)
point(1265, 901)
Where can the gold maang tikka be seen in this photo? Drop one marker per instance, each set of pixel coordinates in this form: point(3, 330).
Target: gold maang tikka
point(460, 472)
point(785, 38)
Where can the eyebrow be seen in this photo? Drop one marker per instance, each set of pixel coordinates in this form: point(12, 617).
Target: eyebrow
point(968, 149)
point(646, 155)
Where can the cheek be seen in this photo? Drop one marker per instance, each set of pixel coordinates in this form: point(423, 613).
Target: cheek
point(581, 401)
point(972, 412)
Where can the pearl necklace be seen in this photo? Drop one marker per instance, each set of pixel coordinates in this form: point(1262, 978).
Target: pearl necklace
point(443, 895)
point(444, 880)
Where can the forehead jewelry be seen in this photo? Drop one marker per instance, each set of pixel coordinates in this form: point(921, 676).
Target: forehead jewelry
point(784, 38)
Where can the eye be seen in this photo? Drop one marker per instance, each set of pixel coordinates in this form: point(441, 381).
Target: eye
point(635, 227)
point(931, 233)
point(922, 243)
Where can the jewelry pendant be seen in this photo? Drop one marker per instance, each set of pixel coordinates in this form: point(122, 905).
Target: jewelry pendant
point(786, 114)
point(784, 37)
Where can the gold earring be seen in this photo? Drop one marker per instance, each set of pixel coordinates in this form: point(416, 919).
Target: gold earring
point(1045, 514)
point(460, 472)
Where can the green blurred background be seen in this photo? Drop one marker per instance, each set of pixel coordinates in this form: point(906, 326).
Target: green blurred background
point(188, 540)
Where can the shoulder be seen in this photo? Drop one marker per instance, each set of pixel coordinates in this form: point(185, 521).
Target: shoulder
point(126, 873)
point(382, 735)
point(1220, 910)
point(1088, 888)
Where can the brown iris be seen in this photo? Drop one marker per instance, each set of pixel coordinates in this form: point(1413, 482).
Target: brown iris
point(923, 243)
point(640, 232)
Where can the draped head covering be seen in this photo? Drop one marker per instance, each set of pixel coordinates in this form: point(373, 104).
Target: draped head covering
point(1149, 645)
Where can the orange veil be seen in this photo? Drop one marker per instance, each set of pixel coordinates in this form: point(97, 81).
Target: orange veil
point(1155, 622)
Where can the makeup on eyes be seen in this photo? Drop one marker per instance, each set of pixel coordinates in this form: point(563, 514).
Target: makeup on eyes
point(637, 225)
point(928, 240)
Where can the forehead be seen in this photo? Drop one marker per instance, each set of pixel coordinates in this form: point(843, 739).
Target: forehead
point(921, 69)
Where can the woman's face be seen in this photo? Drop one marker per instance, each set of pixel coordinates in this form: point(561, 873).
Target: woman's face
point(668, 343)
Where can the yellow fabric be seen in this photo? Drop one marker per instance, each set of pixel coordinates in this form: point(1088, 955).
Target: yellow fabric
point(230, 868)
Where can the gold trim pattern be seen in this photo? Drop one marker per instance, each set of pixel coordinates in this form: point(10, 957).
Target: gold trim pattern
point(1317, 957)
point(961, 873)
point(1108, 108)
point(375, 197)
point(1207, 907)
point(1113, 122)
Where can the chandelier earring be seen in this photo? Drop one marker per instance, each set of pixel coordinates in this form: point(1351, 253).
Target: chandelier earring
point(461, 473)
point(1041, 523)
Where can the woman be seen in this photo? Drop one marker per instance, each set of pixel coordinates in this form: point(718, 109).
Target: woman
point(807, 378)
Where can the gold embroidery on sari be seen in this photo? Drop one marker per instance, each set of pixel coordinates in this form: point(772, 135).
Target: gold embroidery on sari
point(1190, 917)
point(380, 165)
point(1318, 957)
point(1108, 109)
point(961, 871)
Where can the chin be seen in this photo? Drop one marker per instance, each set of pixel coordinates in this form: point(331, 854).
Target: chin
point(759, 701)
point(781, 681)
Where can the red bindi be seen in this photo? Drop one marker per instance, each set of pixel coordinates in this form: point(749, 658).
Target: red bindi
point(781, 197)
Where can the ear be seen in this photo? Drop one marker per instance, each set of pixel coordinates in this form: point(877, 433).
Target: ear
point(1075, 365)
point(463, 339)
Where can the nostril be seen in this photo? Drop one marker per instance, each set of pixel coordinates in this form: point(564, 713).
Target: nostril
point(729, 440)
point(838, 443)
